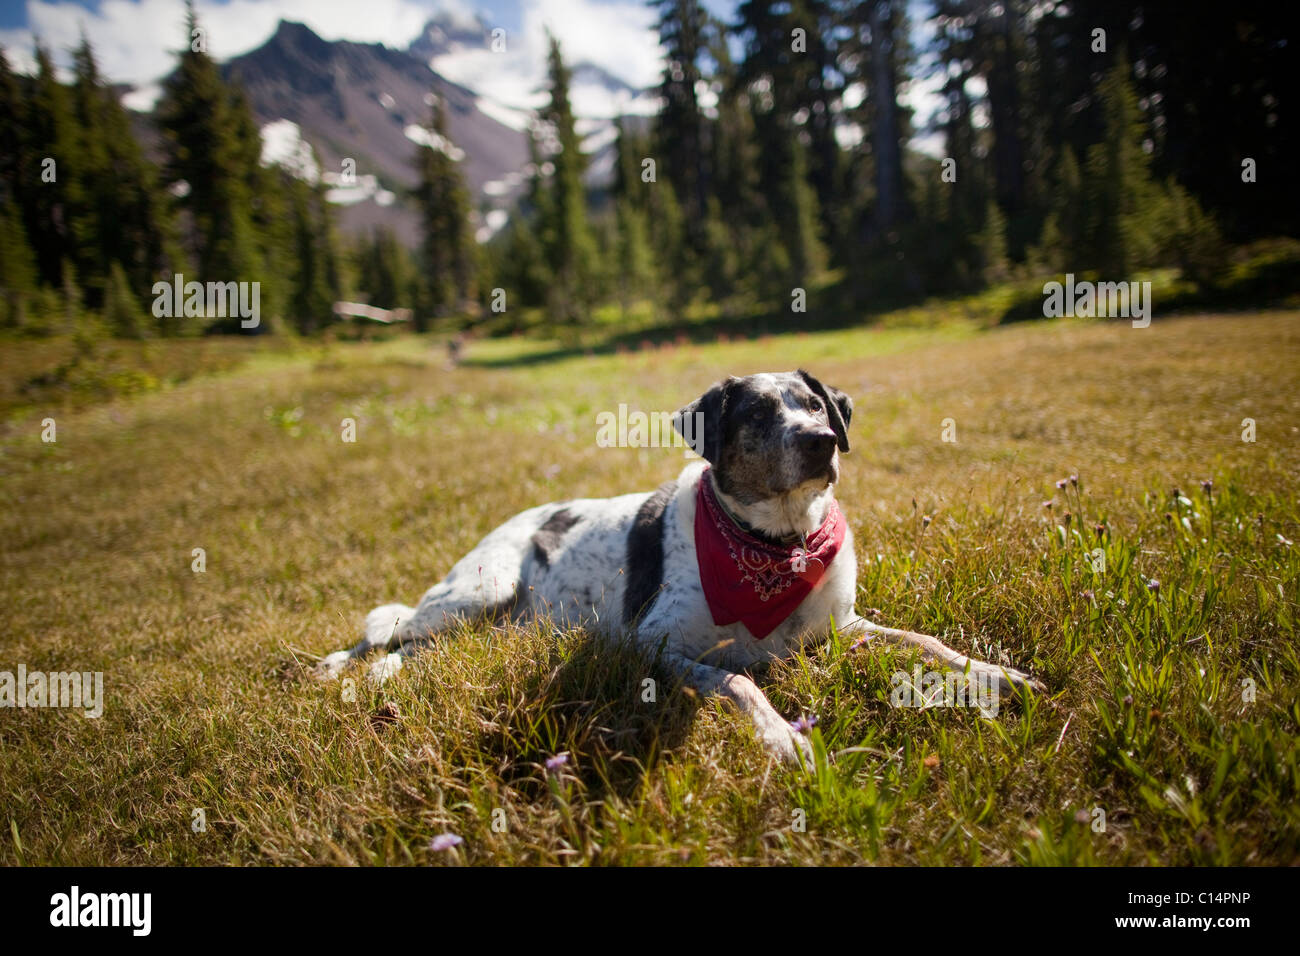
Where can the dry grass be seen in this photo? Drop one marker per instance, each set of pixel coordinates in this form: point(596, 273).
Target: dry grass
point(207, 705)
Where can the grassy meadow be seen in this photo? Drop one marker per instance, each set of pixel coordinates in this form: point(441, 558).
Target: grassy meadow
point(1173, 707)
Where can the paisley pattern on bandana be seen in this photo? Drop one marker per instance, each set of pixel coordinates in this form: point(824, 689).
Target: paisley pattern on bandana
point(752, 581)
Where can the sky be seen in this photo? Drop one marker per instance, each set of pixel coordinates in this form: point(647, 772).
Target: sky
point(134, 40)
point(133, 37)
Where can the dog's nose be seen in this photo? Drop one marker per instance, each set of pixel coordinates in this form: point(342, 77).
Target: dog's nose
point(819, 442)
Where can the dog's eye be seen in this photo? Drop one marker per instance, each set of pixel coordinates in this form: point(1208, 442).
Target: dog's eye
point(816, 404)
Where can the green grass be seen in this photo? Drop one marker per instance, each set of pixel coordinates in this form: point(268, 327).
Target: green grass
point(209, 706)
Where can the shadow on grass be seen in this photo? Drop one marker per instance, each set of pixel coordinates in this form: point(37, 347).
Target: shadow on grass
point(605, 703)
point(834, 307)
point(1263, 275)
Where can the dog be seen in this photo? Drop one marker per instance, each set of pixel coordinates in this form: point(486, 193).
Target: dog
point(745, 558)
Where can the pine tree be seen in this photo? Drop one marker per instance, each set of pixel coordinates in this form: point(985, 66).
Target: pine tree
point(314, 288)
point(736, 157)
point(126, 219)
point(55, 200)
point(122, 313)
point(803, 241)
point(566, 236)
point(18, 274)
point(633, 259)
point(680, 127)
point(13, 111)
point(448, 249)
point(1061, 241)
point(1122, 197)
point(207, 147)
point(790, 63)
point(17, 268)
point(386, 274)
point(883, 54)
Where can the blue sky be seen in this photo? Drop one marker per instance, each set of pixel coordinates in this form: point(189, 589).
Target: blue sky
point(135, 39)
point(13, 13)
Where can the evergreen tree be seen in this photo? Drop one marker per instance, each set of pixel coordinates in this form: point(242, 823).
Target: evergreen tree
point(17, 268)
point(387, 276)
point(791, 66)
point(122, 313)
point(633, 259)
point(679, 127)
point(315, 282)
point(13, 113)
point(803, 242)
point(54, 197)
point(448, 249)
point(567, 240)
point(1122, 197)
point(208, 148)
point(126, 217)
point(878, 55)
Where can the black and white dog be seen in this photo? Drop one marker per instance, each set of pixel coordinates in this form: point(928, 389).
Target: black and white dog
point(745, 558)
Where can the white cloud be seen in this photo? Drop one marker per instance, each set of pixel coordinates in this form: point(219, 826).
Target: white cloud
point(135, 40)
point(618, 37)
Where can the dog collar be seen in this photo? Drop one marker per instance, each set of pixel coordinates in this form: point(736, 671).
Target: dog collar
point(755, 581)
point(786, 542)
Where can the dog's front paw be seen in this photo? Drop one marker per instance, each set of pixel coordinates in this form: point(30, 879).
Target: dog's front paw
point(787, 744)
point(386, 667)
point(1011, 682)
point(331, 665)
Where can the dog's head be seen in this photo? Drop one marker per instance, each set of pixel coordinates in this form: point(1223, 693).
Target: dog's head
point(770, 434)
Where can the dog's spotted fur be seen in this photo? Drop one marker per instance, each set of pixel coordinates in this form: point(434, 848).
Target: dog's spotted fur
point(628, 563)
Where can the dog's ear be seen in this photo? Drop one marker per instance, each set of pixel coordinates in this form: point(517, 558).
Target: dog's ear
point(839, 408)
point(701, 422)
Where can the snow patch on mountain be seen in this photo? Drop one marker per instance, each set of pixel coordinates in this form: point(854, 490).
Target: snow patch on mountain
point(427, 137)
point(283, 145)
point(142, 99)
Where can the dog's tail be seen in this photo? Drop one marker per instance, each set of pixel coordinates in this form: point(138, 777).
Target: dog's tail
point(384, 623)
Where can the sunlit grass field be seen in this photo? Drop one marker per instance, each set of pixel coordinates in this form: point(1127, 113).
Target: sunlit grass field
point(1168, 735)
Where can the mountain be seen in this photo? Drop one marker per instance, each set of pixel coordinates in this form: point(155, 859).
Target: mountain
point(448, 32)
point(320, 103)
point(371, 104)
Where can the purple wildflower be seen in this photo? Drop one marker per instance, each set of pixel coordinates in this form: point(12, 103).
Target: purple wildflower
point(554, 764)
point(445, 841)
point(804, 724)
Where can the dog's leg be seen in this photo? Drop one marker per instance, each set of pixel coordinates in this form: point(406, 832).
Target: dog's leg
point(403, 630)
point(381, 626)
point(1008, 680)
point(486, 583)
point(774, 731)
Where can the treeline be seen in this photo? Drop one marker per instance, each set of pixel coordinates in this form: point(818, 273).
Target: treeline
point(89, 225)
point(1081, 136)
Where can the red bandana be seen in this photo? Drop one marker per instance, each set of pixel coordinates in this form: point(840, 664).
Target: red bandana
point(749, 580)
